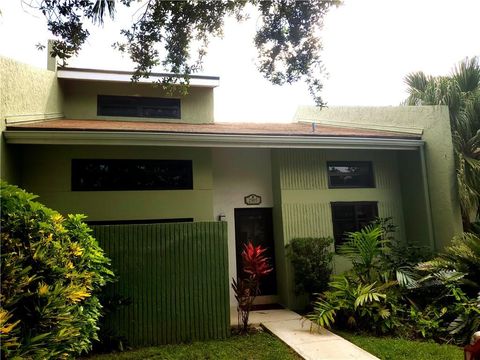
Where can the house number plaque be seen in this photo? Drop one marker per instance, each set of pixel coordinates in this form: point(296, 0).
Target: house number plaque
point(253, 199)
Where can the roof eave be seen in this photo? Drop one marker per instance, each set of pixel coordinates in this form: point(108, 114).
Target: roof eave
point(126, 76)
point(48, 137)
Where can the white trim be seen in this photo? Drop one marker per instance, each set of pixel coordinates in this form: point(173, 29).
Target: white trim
point(352, 125)
point(49, 137)
point(209, 82)
point(15, 119)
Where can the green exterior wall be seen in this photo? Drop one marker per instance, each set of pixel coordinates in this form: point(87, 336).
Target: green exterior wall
point(175, 277)
point(413, 198)
point(302, 201)
point(47, 172)
point(435, 124)
point(81, 100)
point(26, 93)
point(301, 197)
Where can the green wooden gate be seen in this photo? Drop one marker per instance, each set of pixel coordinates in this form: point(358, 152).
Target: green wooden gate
point(176, 277)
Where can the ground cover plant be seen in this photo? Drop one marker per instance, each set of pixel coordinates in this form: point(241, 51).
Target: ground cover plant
point(52, 271)
point(388, 348)
point(259, 346)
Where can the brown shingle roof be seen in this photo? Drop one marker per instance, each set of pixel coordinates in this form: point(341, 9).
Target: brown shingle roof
point(273, 129)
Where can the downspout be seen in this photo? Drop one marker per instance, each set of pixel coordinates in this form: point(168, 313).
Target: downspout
point(428, 205)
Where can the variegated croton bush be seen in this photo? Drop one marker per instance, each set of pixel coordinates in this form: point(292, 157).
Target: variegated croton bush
point(52, 271)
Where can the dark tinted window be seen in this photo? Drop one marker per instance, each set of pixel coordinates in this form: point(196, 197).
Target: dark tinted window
point(351, 216)
point(138, 106)
point(350, 174)
point(115, 175)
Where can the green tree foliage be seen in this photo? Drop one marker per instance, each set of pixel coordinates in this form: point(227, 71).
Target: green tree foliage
point(52, 269)
point(286, 39)
point(312, 264)
point(460, 91)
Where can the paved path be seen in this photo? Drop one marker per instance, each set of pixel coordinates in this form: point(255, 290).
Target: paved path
point(289, 327)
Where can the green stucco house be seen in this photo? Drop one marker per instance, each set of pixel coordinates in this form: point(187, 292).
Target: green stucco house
point(129, 155)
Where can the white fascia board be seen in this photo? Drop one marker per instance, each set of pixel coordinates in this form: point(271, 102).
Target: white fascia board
point(200, 81)
point(46, 137)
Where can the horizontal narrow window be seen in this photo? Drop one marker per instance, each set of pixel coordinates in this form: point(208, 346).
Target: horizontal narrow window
point(350, 174)
point(136, 106)
point(118, 175)
point(350, 217)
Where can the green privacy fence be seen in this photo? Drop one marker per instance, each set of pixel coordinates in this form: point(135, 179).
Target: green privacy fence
point(176, 278)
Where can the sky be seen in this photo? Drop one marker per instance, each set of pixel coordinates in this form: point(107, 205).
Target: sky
point(368, 48)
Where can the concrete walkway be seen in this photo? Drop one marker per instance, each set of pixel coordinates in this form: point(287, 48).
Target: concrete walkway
point(294, 331)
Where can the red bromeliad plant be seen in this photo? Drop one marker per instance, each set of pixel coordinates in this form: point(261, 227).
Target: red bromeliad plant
point(255, 266)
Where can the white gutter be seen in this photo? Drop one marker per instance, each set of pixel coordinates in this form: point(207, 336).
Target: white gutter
point(51, 137)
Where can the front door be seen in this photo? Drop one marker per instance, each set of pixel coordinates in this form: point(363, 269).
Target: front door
point(256, 225)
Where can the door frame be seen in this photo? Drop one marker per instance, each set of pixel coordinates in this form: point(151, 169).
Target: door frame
point(261, 299)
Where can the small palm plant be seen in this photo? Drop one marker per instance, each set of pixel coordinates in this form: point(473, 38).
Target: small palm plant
point(364, 248)
point(247, 288)
point(358, 298)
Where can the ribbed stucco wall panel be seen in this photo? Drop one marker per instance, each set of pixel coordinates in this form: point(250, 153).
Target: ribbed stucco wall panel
point(301, 169)
point(384, 172)
point(307, 220)
point(389, 209)
point(176, 277)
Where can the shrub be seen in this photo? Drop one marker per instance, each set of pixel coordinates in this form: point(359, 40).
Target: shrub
point(451, 281)
point(364, 297)
point(350, 303)
point(52, 269)
point(386, 291)
point(247, 286)
point(312, 263)
point(463, 255)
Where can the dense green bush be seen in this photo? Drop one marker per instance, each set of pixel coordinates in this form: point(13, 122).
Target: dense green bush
point(451, 282)
point(390, 292)
point(312, 263)
point(366, 296)
point(52, 269)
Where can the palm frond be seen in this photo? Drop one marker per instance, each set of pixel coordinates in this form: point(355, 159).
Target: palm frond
point(461, 93)
point(323, 314)
point(467, 74)
point(101, 8)
point(407, 278)
point(367, 294)
point(363, 246)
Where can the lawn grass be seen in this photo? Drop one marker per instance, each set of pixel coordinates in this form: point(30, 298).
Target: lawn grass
point(400, 349)
point(261, 346)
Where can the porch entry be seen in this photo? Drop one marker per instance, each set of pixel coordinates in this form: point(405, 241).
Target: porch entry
point(256, 225)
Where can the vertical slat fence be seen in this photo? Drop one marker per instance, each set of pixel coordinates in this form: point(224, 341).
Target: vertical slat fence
point(174, 275)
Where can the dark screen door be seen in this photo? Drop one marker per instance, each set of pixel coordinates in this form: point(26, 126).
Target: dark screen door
point(256, 225)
